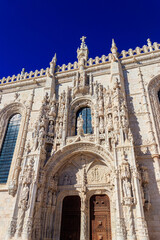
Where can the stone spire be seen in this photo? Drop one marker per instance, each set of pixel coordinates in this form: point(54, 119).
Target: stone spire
point(114, 48)
point(82, 53)
point(53, 64)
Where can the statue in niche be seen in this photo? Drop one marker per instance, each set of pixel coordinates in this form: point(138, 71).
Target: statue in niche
point(126, 188)
point(125, 171)
point(124, 126)
point(101, 125)
point(41, 132)
point(50, 129)
point(41, 136)
point(53, 109)
point(110, 122)
point(67, 180)
point(80, 125)
point(43, 122)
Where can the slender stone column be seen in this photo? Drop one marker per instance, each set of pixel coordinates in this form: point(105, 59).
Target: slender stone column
point(142, 231)
point(120, 228)
point(83, 231)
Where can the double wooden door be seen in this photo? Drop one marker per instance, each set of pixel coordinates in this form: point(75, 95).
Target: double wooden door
point(100, 223)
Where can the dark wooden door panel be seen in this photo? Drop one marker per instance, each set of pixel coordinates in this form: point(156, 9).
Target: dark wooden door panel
point(70, 224)
point(100, 225)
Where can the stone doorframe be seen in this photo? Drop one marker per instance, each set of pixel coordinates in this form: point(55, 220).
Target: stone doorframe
point(85, 210)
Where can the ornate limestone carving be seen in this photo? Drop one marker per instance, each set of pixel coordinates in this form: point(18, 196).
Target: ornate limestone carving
point(12, 228)
point(80, 126)
point(98, 174)
point(26, 181)
point(126, 188)
point(50, 129)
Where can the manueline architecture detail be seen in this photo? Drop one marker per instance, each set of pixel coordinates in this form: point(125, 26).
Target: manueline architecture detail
point(86, 160)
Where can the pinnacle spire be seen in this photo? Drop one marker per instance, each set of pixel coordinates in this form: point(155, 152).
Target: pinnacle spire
point(54, 59)
point(114, 47)
point(113, 43)
point(53, 64)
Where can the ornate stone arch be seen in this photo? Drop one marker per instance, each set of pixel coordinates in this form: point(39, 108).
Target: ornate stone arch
point(75, 105)
point(78, 154)
point(153, 88)
point(58, 159)
point(5, 115)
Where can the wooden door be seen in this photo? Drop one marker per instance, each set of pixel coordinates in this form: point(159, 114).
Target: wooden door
point(70, 224)
point(100, 222)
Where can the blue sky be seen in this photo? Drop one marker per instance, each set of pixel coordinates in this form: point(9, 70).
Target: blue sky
point(33, 30)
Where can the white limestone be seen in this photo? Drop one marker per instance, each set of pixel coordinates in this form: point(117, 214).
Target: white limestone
point(120, 158)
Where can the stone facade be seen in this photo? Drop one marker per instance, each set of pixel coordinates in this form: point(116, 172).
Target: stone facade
point(120, 158)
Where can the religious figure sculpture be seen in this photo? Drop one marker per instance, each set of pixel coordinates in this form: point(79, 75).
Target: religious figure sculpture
point(126, 188)
point(80, 125)
point(50, 129)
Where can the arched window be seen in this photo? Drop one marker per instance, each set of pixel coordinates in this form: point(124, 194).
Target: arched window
point(87, 119)
point(159, 95)
point(8, 146)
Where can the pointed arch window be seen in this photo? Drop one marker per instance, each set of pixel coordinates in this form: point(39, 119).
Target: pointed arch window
point(8, 146)
point(87, 120)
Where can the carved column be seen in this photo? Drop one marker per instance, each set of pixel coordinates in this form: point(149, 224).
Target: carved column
point(65, 119)
point(120, 228)
point(142, 230)
point(83, 231)
point(127, 197)
point(96, 122)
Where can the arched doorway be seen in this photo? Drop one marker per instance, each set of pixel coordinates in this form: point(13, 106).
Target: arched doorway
point(70, 224)
point(100, 220)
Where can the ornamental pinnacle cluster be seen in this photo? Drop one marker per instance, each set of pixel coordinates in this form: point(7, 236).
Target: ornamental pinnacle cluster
point(79, 148)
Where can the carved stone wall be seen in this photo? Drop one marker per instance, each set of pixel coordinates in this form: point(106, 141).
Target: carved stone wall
point(119, 159)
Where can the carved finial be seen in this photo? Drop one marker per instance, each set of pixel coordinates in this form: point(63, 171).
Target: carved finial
point(149, 42)
point(113, 43)
point(54, 59)
point(82, 53)
point(114, 48)
point(83, 44)
point(23, 71)
point(53, 64)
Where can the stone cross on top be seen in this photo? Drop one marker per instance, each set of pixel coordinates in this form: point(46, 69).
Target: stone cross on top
point(83, 45)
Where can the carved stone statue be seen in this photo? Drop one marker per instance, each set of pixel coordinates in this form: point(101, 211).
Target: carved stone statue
point(53, 109)
point(126, 188)
point(80, 125)
point(110, 122)
point(50, 129)
point(66, 180)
